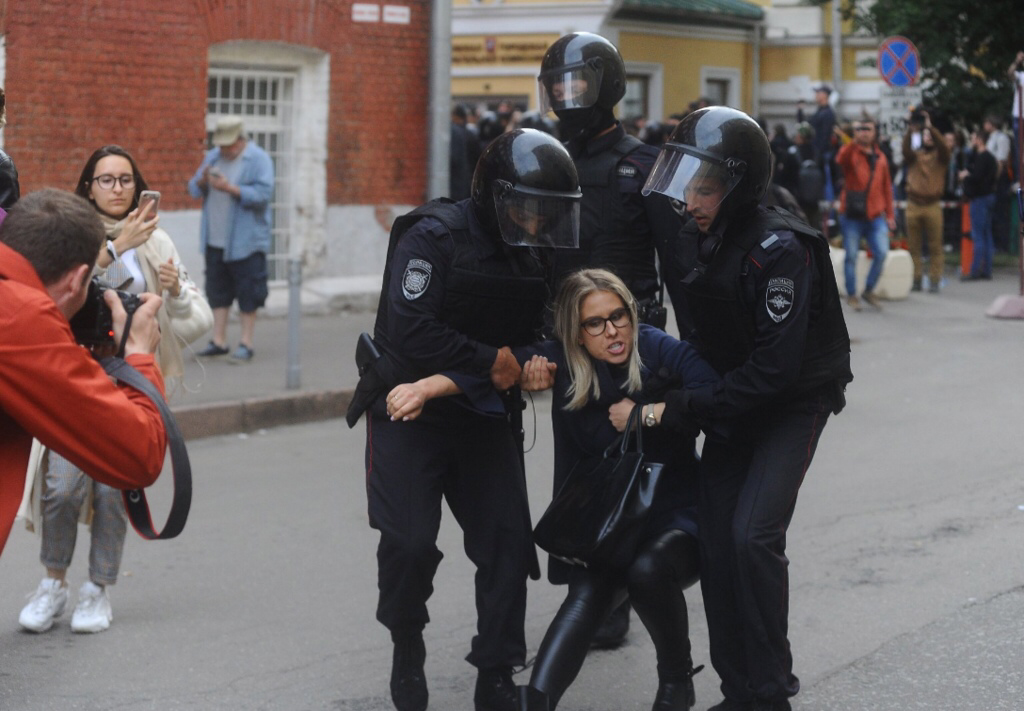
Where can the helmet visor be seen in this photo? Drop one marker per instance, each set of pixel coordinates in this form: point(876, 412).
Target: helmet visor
point(533, 219)
point(574, 87)
point(692, 180)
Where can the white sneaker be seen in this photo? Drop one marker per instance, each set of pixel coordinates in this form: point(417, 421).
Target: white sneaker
point(46, 604)
point(92, 613)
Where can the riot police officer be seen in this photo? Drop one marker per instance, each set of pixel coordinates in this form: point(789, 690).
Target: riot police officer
point(582, 78)
point(762, 294)
point(462, 281)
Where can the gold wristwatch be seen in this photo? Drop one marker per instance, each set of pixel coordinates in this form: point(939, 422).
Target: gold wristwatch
point(649, 419)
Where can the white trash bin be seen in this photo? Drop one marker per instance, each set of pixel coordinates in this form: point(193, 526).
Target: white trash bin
point(894, 283)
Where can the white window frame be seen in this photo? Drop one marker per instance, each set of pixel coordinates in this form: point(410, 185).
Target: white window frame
point(273, 131)
point(655, 74)
point(730, 74)
point(300, 224)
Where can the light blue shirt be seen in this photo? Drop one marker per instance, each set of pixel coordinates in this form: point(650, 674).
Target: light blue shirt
point(250, 220)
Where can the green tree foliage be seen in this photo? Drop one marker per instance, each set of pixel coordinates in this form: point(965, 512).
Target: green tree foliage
point(965, 48)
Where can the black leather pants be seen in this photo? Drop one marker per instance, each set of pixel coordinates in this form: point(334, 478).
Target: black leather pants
point(665, 565)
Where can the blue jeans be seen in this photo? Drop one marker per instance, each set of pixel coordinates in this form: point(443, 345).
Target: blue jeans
point(981, 234)
point(876, 232)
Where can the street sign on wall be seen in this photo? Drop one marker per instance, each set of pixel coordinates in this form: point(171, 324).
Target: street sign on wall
point(898, 61)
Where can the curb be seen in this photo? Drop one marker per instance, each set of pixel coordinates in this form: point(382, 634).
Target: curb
point(220, 418)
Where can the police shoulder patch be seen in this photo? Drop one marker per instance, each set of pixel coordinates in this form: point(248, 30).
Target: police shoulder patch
point(416, 278)
point(770, 243)
point(628, 171)
point(779, 298)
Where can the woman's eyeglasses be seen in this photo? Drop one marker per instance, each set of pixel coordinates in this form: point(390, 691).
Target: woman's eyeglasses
point(106, 181)
point(619, 318)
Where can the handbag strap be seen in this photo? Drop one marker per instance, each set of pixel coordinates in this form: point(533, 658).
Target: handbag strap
point(135, 499)
point(872, 159)
point(632, 426)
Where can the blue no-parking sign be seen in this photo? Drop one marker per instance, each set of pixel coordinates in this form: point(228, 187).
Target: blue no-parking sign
point(898, 61)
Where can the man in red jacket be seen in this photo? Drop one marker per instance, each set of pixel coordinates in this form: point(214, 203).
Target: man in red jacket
point(867, 207)
point(50, 387)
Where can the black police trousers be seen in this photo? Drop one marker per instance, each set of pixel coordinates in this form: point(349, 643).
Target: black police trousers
point(655, 580)
point(473, 462)
point(748, 490)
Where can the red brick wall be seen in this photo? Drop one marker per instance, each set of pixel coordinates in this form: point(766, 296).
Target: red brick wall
point(83, 73)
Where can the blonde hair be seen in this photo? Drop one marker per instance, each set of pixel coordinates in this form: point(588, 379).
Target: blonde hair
point(583, 378)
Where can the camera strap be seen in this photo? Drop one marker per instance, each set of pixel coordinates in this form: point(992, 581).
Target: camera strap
point(135, 499)
point(124, 342)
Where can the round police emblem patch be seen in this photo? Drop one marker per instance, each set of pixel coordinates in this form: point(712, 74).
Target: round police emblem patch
point(779, 298)
point(416, 278)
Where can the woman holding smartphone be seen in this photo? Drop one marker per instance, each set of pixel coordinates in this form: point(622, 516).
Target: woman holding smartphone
point(137, 257)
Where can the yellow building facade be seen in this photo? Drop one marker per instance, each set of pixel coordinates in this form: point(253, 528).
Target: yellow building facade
point(761, 56)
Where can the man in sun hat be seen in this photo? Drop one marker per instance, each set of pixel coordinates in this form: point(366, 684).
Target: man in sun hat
point(236, 183)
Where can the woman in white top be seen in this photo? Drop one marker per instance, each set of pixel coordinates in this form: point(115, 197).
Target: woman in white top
point(138, 256)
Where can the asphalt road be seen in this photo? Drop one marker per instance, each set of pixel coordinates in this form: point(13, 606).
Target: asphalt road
point(907, 570)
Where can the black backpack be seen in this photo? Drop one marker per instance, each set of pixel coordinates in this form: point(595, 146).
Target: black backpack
point(810, 186)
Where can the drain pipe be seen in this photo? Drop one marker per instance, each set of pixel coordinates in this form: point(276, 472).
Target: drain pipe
point(293, 369)
point(837, 48)
point(755, 70)
point(439, 125)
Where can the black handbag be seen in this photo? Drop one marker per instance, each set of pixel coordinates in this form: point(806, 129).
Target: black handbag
point(598, 515)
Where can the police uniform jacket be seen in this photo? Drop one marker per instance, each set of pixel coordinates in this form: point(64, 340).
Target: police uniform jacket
point(452, 295)
point(620, 229)
point(767, 315)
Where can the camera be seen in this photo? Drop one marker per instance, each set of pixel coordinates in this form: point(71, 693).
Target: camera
point(94, 323)
point(651, 312)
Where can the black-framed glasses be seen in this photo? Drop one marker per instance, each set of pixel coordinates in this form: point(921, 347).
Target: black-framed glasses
point(620, 318)
point(106, 181)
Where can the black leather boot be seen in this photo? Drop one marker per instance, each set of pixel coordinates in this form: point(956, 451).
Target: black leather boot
point(495, 690)
point(677, 695)
point(408, 682)
point(731, 705)
point(530, 699)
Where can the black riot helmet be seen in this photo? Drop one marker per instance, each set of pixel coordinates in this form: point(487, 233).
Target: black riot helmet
point(534, 119)
point(714, 145)
point(582, 78)
point(525, 186)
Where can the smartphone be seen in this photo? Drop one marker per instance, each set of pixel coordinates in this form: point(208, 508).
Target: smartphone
point(152, 196)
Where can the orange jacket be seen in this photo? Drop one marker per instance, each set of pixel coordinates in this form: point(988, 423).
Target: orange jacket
point(856, 171)
point(52, 389)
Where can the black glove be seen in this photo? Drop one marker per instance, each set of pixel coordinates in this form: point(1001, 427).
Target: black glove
point(699, 401)
point(677, 417)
